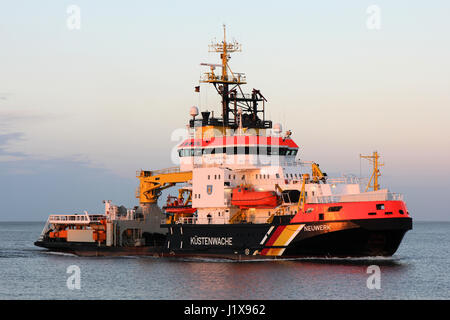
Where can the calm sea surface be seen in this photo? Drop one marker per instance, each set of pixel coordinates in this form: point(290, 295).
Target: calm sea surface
point(419, 270)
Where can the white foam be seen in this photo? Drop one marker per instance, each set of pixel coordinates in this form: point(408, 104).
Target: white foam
point(60, 253)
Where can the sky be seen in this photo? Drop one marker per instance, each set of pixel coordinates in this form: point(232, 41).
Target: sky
point(82, 109)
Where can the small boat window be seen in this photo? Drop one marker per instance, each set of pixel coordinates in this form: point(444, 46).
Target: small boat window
point(334, 209)
point(401, 211)
point(380, 206)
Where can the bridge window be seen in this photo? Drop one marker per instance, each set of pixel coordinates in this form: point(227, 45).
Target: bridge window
point(232, 150)
point(208, 151)
point(253, 150)
point(274, 151)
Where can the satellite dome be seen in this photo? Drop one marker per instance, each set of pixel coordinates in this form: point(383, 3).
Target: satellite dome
point(194, 111)
point(277, 128)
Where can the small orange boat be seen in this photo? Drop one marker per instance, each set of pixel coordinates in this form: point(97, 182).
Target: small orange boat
point(246, 197)
point(176, 205)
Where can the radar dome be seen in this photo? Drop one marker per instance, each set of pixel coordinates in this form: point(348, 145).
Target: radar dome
point(194, 111)
point(277, 128)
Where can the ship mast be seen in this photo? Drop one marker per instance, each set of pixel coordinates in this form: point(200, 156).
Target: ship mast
point(374, 159)
point(228, 86)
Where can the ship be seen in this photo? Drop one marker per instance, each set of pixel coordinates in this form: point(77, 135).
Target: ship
point(244, 192)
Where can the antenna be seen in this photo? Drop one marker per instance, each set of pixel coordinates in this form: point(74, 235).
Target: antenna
point(228, 85)
point(224, 48)
point(376, 171)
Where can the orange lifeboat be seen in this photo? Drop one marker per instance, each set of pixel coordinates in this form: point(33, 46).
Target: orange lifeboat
point(245, 197)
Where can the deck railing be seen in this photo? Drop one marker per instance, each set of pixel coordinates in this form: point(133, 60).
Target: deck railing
point(75, 218)
point(389, 196)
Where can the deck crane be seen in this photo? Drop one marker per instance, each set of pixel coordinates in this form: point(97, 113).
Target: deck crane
point(317, 174)
point(151, 183)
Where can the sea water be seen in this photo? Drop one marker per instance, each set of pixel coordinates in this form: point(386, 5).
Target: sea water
point(418, 270)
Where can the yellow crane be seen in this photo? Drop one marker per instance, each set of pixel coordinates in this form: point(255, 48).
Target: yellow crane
point(302, 198)
point(151, 183)
point(317, 174)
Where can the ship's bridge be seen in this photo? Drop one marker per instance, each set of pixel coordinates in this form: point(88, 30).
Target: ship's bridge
point(236, 151)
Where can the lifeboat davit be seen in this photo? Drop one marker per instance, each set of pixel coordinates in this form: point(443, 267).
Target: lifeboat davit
point(246, 197)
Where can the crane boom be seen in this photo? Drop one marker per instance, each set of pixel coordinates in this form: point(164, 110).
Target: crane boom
point(151, 183)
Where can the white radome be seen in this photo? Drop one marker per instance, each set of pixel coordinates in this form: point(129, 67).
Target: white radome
point(277, 128)
point(194, 111)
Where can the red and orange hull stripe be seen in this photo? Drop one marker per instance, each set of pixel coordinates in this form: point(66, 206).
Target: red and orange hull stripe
point(280, 239)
